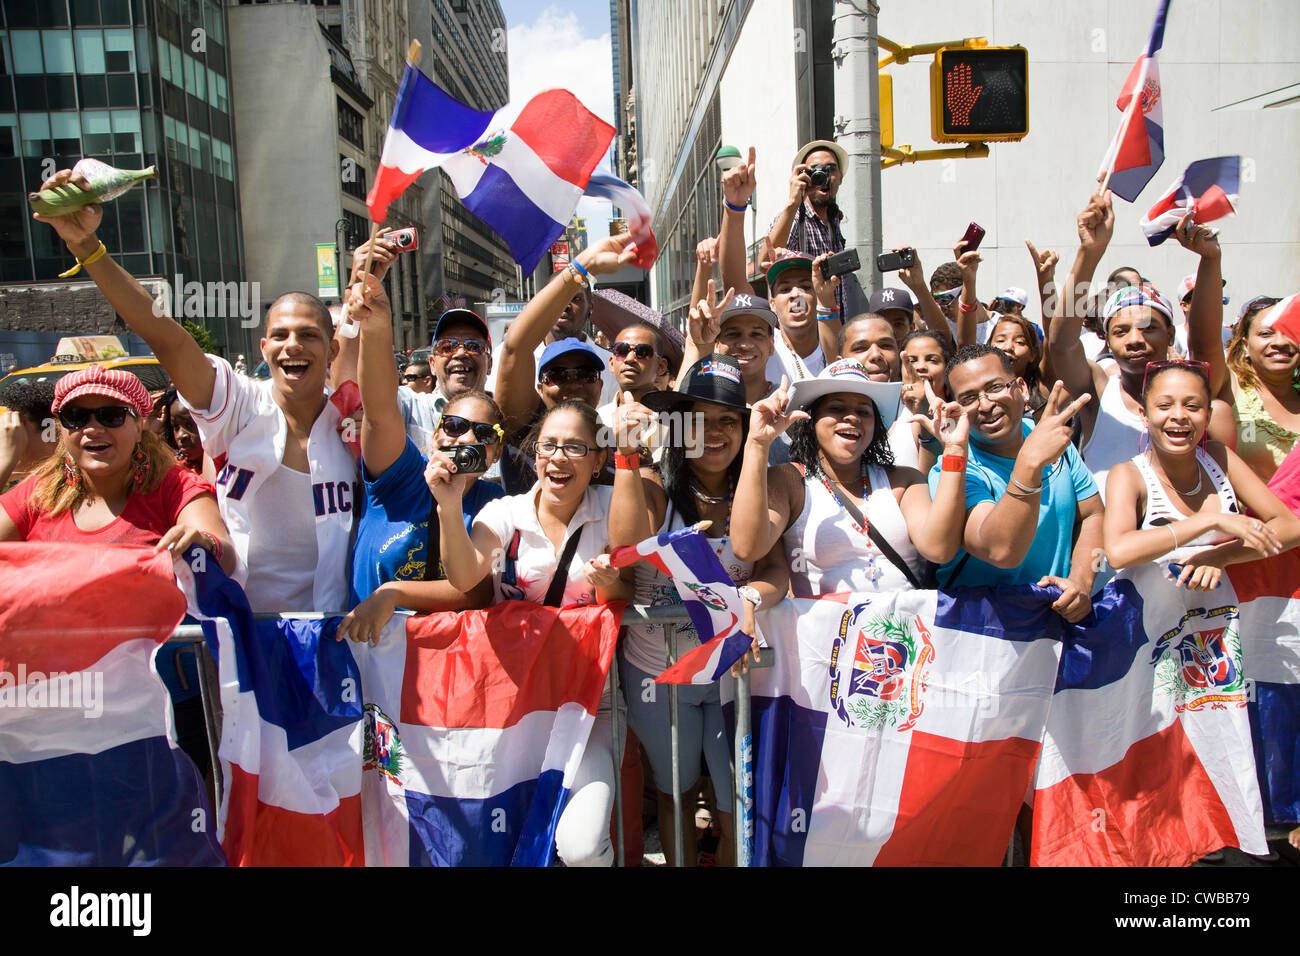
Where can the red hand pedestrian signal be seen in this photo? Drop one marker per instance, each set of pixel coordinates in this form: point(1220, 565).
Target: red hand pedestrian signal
point(961, 95)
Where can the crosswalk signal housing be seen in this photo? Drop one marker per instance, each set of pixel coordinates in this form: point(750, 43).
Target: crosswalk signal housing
point(979, 95)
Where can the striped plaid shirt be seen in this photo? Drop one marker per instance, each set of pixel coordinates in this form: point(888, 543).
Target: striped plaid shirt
point(808, 234)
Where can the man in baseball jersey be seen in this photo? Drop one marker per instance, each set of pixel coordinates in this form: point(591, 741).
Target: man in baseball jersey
point(285, 479)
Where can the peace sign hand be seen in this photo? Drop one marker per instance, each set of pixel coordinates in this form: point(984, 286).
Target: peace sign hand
point(1044, 263)
point(705, 320)
point(769, 417)
point(1049, 440)
point(948, 421)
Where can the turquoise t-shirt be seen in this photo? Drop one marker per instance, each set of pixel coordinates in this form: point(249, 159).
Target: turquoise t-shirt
point(1065, 485)
point(393, 529)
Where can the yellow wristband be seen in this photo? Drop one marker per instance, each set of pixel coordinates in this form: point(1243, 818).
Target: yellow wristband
point(93, 257)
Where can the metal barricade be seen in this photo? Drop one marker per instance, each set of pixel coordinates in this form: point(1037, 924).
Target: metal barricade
point(742, 795)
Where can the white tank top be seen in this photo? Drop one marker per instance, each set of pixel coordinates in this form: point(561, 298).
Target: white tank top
point(1161, 511)
point(1116, 435)
point(644, 643)
point(829, 555)
point(282, 563)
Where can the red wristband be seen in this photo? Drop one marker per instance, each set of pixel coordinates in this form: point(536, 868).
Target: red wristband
point(953, 463)
point(967, 308)
point(627, 462)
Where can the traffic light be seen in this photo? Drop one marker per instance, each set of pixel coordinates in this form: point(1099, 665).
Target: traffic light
point(979, 95)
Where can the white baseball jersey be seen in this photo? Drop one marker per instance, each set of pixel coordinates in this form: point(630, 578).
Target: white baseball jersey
point(245, 433)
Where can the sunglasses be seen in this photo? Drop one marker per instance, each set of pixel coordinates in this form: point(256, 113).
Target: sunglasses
point(570, 376)
point(455, 426)
point(109, 416)
point(415, 378)
point(643, 352)
point(1192, 365)
point(943, 298)
point(452, 346)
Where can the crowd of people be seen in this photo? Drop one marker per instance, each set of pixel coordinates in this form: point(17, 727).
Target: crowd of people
point(920, 437)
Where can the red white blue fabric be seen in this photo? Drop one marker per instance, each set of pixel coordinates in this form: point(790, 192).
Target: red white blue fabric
point(521, 169)
point(1207, 190)
point(1285, 317)
point(1138, 148)
point(634, 208)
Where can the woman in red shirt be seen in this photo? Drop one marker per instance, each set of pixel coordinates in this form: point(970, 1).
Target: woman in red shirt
point(111, 480)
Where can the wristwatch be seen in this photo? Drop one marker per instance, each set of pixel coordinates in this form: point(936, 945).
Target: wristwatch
point(751, 595)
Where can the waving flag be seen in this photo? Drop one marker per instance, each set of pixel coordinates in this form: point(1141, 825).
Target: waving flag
point(1138, 149)
point(520, 170)
point(709, 595)
point(1207, 189)
point(900, 728)
point(1285, 317)
point(90, 774)
point(633, 204)
point(1147, 760)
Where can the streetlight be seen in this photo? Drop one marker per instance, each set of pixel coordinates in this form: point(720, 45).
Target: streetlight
point(341, 237)
point(727, 157)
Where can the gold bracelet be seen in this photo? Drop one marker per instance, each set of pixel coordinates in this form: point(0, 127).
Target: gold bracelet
point(92, 258)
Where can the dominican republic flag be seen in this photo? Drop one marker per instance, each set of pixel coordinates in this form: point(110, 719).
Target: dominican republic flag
point(1137, 156)
point(1147, 759)
point(1207, 189)
point(520, 170)
point(900, 729)
point(716, 611)
point(633, 205)
point(1285, 317)
point(90, 774)
point(1268, 595)
point(475, 724)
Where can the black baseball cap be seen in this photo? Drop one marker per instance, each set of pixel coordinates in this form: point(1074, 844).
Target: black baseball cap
point(885, 300)
point(714, 378)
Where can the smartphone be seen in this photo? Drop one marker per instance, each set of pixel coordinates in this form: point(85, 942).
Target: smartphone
point(893, 261)
point(468, 459)
point(841, 263)
point(973, 237)
point(406, 239)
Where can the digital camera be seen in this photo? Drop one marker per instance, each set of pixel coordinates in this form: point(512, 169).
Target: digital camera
point(819, 176)
point(405, 239)
point(468, 459)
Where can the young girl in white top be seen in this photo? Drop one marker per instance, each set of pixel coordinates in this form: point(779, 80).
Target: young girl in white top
point(1182, 504)
point(532, 530)
point(842, 464)
point(691, 484)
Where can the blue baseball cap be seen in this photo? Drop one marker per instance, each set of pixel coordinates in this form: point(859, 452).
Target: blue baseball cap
point(564, 347)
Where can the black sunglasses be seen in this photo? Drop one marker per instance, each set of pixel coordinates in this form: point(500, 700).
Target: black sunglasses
point(455, 426)
point(109, 416)
point(570, 376)
point(415, 378)
point(643, 352)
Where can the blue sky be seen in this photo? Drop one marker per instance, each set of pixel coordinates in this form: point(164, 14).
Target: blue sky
point(564, 45)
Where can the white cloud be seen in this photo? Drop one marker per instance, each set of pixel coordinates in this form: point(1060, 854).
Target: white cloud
point(553, 52)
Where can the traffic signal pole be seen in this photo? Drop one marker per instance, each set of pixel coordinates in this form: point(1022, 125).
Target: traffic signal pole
point(857, 129)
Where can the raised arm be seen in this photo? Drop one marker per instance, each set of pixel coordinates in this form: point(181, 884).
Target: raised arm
point(829, 320)
point(935, 526)
point(737, 186)
point(637, 508)
point(175, 348)
point(970, 310)
point(344, 367)
point(759, 513)
point(914, 278)
point(706, 257)
point(1045, 273)
point(1205, 322)
point(1095, 225)
point(800, 180)
point(702, 327)
point(383, 433)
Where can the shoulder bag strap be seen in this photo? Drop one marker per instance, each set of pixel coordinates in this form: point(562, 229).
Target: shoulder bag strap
point(879, 541)
point(555, 593)
point(433, 546)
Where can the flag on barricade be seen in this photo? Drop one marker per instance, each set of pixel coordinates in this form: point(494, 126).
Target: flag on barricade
point(521, 169)
point(1147, 757)
point(1268, 595)
point(475, 726)
point(452, 742)
point(89, 768)
point(1138, 149)
point(900, 728)
point(1207, 190)
point(709, 595)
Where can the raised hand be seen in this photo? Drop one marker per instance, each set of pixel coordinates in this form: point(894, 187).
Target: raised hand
point(948, 421)
point(384, 256)
point(446, 486)
point(704, 321)
point(800, 180)
point(13, 439)
point(706, 251)
point(738, 182)
point(632, 425)
point(769, 418)
point(967, 262)
point(367, 303)
point(1049, 439)
point(913, 276)
point(76, 228)
point(1044, 264)
point(1096, 224)
point(608, 255)
point(1201, 240)
point(824, 289)
point(913, 392)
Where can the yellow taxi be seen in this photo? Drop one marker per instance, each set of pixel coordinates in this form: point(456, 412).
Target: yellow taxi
point(78, 351)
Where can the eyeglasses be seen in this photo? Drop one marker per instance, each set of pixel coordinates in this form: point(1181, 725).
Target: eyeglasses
point(109, 416)
point(570, 376)
point(1192, 365)
point(415, 378)
point(452, 346)
point(572, 449)
point(991, 392)
point(943, 298)
point(622, 349)
point(455, 426)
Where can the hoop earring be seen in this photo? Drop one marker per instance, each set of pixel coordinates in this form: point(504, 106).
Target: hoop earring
point(70, 473)
point(140, 466)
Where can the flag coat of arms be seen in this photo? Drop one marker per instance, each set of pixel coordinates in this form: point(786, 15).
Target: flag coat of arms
point(1138, 149)
point(90, 774)
point(1147, 759)
point(900, 728)
point(521, 169)
point(1207, 189)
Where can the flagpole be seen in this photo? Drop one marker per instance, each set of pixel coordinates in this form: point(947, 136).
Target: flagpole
point(1135, 101)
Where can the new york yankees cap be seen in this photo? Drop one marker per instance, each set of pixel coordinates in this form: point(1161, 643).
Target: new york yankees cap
point(743, 303)
point(883, 300)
